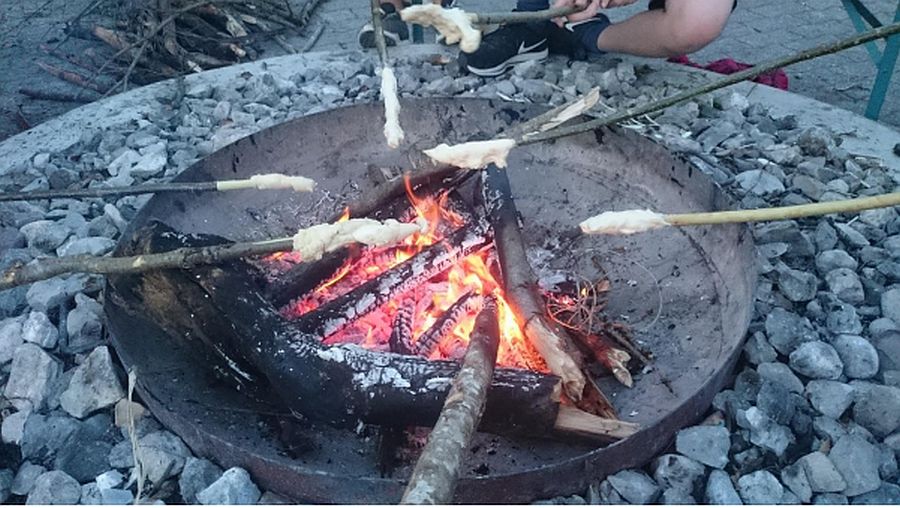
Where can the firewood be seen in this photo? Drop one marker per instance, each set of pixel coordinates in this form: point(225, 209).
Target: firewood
point(434, 478)
point(72, 77)
point(304, 277)
point(400, 341)
point(44, 95)
point(428, 341)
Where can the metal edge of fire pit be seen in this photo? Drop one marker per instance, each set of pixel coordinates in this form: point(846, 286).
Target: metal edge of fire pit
point(138, 344)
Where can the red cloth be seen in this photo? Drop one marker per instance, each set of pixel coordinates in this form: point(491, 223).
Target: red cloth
point(776, 79)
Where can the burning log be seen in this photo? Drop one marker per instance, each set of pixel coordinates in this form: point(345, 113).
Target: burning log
point(429, 340)
point(304, 277)
point(437, 470)
point(434, 260)
point(400, 341)
point(341, 384)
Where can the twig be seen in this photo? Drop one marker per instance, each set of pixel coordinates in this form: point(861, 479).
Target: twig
point(44, 95)
point(23, 122)
point(434, 478)
point(72, 77)
point(630, 113)
point(311, 41)
point(380, 43)
point(74, 22)
point(284, 44)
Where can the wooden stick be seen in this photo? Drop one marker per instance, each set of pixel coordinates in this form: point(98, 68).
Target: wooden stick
point(434, 478)
point(283, 182)
point(777, 63)
point(72, 77)
point(574, 420)
point(44, 95)
point(499, 18)
point(638, 221)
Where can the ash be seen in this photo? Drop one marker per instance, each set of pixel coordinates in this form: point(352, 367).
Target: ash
point(813, 415)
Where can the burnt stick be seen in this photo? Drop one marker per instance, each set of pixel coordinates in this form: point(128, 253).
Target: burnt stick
point(400, 341)
point(304, 277)
point(434, 478)
point(429, 340)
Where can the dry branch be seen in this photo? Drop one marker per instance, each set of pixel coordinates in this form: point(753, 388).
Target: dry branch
point(72, 77)
point(45, 95)
point(434, 478)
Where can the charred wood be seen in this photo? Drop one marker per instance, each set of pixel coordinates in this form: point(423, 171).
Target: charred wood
point(400, 341)
point(304, 277)
point(429, 340)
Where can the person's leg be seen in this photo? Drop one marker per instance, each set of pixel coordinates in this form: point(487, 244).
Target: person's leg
point(395, 29)
point(511, 44)
point(682, 26)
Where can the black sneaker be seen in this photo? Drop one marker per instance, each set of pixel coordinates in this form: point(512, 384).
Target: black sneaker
point(579, 38)
point(395, 29)
point(504, 48)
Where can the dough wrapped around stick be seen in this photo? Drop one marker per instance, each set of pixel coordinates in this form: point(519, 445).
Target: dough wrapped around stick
point(392, 130)
point(315, 241)
point(474, 154)
point(454, 24)
point(623, 223)
point(269, 181)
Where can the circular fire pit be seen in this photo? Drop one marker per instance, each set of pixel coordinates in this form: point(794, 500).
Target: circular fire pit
point(687, 294)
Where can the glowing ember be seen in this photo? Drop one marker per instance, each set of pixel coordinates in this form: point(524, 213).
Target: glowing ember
point(469, 276)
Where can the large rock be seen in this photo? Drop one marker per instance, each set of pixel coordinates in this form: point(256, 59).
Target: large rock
point(634, 486)
point(859, 356)
point(845, 284)
point(31, 377)
point(54, 487)
point(93, 386)
point(821, 473)
point(817, 360)
point(857, 461)
point(677, 472)
point(720, 490)
point(38, 329)
point(877, 408)
point(831, 398)
point(760, 487)
point(233, 487)
point(706, 444)
point(197, 475)
point(787, 330)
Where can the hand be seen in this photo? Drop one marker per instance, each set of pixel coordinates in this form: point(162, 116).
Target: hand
point(589, 9)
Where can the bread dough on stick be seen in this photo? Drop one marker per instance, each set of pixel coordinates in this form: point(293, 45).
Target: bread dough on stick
point(623, 223)
point(454, 24)
point(392, 131)
point(269, 181)
point(474, 154)
point(315, 241)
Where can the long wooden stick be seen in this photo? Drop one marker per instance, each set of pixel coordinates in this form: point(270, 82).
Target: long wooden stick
point(286, 182)
point(651, 107)
point(497, 18)
point(434, 478)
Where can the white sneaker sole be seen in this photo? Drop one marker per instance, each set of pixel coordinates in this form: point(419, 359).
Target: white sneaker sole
point(505, 66)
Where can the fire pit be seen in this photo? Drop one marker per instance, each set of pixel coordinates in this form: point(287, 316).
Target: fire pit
point(686, 294)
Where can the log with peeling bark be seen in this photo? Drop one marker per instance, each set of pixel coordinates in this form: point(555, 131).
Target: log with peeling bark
point(434, 478)
point(341, 384)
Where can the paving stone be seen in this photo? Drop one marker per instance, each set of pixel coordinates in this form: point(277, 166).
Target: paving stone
point(233, 487)
point(634, 486)
point(760, 487)
point(705, 443)
point(858, 355)
point(93, 386)
point(857, 461)
point(720, 490)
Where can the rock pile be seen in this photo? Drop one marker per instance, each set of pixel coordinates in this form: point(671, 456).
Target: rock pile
point(813, 416)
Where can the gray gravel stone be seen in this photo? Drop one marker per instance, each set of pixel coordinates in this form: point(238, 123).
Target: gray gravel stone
point(787, 330)
point(794, 478)
point(672, 496)
point(858, 355)
point(6, 479)
point(850, 236)
point(54, 487)
point(27, 474)
point(47, 295)
point(842, 318)
point(759, 182)
point(197, 475)
point(93, 386)
point(706, 444)
point(816, 360)
point(634, 486)
point(93, 246)
point(887, 494)
point(890, 304)
point(38, 329)
point(109, 479)
point(757, 350)
point(766, 433)
point(760, 487)
point(163, 455)
point(673, 471)
point(821, 473)
point(45, 235)
point(797, 285)
point(845, 284)
point(857, 461)
point(788, 232)
point(83, 325)
point(720, 490)
point(831, 398)
point(830, 260)
point(84, 456)
point(44, 435)
point(13, 427)
point(116, 496)
point(10, 338)
point(90, 494)
point(831, 499)
point(878, 409)
point(31, 376)
point(121, 456)
point(233, 487)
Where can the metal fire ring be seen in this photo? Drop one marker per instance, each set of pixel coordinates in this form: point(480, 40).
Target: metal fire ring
point(687, 293)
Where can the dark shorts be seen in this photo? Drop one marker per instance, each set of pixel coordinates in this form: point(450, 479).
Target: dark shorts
point(661, 4)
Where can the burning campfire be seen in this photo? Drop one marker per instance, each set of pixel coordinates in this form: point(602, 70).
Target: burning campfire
point(433, 320)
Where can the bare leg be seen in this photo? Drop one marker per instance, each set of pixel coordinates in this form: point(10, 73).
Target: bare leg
point(684, 26)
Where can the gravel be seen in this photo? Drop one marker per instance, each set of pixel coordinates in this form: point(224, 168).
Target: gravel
point(858, 355)
point(720, 490)
point(787, 330)
point(794, 478)
point(38, 329)
point(94, 385)
point(233, 487)
point(23, 482)
point(634, 486)
point(817, 360)
point(831, 398)
point(760, 487)
point(31, 377)
point(857, 462)
point(821, 474)
point(673, 471)
point(197, 475)
point(54, 487)
point(877, 408)
point(706, 444)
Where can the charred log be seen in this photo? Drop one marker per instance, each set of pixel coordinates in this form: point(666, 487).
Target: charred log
point(429, 340)
point(304, 277)
point(400, 341)
point(341, 385)
point(332, 316)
